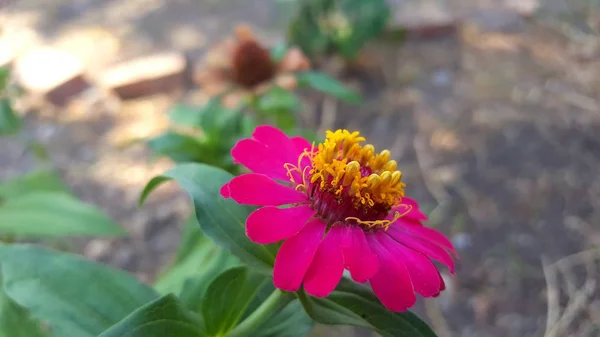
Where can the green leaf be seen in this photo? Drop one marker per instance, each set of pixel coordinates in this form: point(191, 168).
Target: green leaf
point(162, 317)
point(278, 52)
point(292, 321)
point(279, 106)
point(323, 27)
point(278, 99)
point(227, 298)
point(365, 21)
point(191, 238)
point(15, 321)
point(355, 304)
point(182, 148)
point(221, 219)
point(9, 121)
point(307, 31)
point(197, 262)
point(76, 297)
point(4, 76)
point(54, 214)
point(195, 286)
point(186, 115)
point(328, 85)
point(37, 181)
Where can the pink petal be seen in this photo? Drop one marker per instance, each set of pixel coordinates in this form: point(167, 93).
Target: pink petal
point(271, 224)
point(410, 209)
point(276, 141)
point(327, 267)
point(224, 191)
point(260, 159)
point(427, 248)
point(260, 190)
point(358, 257)
point(424, 275)
point(426, 234)
point(301, 145)
point(442, 285)
point(392, 283)
point(295, 256)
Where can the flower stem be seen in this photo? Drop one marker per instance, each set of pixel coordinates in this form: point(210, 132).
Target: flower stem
point(274, 303)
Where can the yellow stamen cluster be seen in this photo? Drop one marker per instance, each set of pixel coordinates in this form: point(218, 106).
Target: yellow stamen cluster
point(340, 161)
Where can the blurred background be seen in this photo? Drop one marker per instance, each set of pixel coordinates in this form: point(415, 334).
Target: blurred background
point(491, 108)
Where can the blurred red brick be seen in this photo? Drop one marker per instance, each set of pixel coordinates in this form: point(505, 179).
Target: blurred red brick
point(56, 74)
point(148, 75)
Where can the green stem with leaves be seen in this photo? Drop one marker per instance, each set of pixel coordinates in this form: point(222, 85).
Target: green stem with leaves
point(273, 304)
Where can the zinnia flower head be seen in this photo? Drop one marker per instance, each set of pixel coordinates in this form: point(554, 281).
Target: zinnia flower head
point(345, 208)
point(242, 62)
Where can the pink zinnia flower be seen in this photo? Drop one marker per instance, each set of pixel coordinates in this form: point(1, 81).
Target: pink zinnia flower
point(347, 210)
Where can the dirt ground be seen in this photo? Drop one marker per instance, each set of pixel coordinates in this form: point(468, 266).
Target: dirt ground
point(496, 129)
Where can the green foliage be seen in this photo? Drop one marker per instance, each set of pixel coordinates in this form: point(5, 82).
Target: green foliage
point(16, 321)
point(337, 26)
point(39, 204)
point(217, 129)
point(182, 148)
point(76, 297)
point(327, 85)
point(228, 297)
point(36, 181)
point(10, 123)
point(164, 316)
point(279, 107)
point(354, 304)
point(197, 262)
point(4, 77)
point(221, 219)
point(278, 52)
point(292, 321)
point(54, 214)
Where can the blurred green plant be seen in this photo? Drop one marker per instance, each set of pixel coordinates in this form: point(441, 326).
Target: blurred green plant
point(340, 27)
point(206, 133)
point(220, 282)
point(10, 124)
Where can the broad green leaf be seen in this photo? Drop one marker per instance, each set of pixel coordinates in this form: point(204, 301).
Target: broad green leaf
point(292, 321)
point(37, 181)
point(195, 286)
point(328, 85)
point(182, 148)
point(221, 219)
point(227, 298)
point(162, 317)
point(197, 262)
point(9, 121)
point(54, 214)
point(191, 238)
point(355, 304)
point(76, 297)
point(15, 321)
